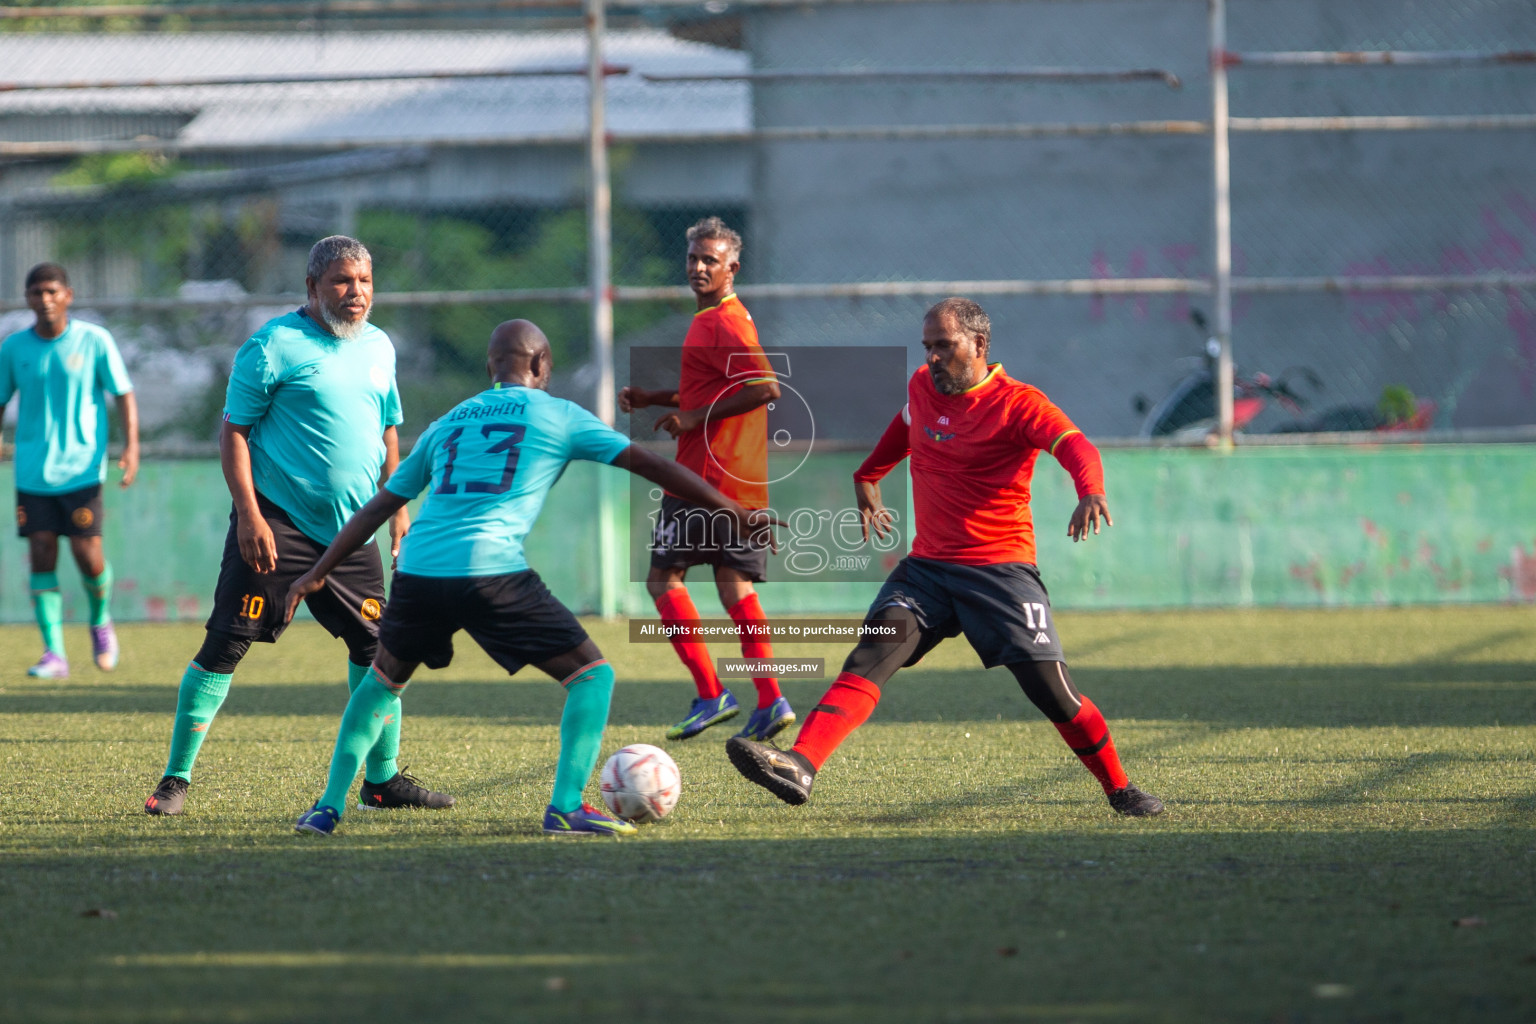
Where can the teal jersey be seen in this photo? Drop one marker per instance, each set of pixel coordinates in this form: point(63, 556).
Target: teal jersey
point(317, 407)
point(61, 424)
point(487, 467)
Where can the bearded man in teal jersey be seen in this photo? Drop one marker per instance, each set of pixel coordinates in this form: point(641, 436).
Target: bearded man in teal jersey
point(309, 434)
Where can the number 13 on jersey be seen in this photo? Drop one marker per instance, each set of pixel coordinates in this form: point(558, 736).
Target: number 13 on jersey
point(513, 436)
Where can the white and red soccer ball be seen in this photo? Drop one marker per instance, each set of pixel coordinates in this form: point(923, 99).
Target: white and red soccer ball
point(640, 783)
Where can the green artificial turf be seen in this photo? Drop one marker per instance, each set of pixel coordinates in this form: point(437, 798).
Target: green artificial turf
point(1342, 789)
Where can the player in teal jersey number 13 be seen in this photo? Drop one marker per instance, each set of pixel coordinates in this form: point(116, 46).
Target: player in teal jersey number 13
point(63, 370)
point(487, 467)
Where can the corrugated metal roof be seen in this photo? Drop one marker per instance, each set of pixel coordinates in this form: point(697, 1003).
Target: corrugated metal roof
point(360, 111)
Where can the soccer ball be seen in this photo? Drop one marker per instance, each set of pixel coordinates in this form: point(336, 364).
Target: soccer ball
point(640, 783)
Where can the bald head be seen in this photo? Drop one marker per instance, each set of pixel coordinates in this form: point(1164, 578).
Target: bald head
point(518, 353)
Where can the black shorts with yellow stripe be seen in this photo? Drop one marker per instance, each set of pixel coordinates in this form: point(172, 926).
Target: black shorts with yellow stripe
point(250, 604)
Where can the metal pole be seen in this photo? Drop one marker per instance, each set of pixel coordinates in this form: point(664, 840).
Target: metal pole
point(7, 261)
point(1388, 123)
point(1397, 58)
point(600, 272)
point(905, 74)
point(1221, 281)
point(318, 78)
point(855, 133)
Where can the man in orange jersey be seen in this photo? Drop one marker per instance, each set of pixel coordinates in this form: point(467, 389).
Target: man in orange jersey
point(721, 427)
point(973, 434)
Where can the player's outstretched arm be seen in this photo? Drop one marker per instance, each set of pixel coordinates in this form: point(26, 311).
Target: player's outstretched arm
point(632, 398)
point(128, 409)
point(356, 532)
point(400, 522)
point(1080, 458)
point(257, 546)
point(892, 447)
point(872, 510)
point(743, 401)
point(692, 488)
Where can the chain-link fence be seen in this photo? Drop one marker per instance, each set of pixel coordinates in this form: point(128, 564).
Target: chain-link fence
point(1052, 159)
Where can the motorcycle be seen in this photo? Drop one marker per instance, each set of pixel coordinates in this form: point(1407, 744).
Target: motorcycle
point(1188, 412)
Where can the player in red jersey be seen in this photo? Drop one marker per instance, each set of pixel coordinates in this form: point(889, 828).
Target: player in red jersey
point(973, 434)
point(721, 427)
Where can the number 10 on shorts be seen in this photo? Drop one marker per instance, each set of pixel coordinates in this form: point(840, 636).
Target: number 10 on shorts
point(251, 606)
point(1034, 615)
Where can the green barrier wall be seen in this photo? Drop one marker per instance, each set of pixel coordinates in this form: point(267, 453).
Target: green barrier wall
point(1259, 527)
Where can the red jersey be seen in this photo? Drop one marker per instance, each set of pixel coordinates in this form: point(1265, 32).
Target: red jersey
point(720, 357)
point(973, 456)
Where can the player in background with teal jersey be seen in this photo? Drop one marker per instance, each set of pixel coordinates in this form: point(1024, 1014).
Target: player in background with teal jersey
point(63, 370)
point(487, 466)
point(309, 433)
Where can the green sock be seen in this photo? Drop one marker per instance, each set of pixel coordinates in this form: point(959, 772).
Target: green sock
point(587, 694)
point(48, 605)
point(199, 699)
point(373, 703)
point(98, 593)
point(379, 766)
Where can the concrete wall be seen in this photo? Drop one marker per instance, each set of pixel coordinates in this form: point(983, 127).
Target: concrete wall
point(1304, 204)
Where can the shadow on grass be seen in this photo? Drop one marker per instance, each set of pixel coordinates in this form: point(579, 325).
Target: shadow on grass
point(410, 927)
point(1427, 694)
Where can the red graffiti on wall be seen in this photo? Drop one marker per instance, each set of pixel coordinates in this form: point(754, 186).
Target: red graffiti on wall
point(1507, 240)
point(1505, 245)
point(1521, 573)
point(1177, 260)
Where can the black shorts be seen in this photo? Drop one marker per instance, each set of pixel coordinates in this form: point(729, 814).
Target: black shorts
point(687, 535)
point(76, 514)
point(250, 604)
point(514, 618)
point(1002, 609)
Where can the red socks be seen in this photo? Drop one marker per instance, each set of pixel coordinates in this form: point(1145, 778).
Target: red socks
point(676, 608)
point(1088, 736)
point(843, 709)
point(750, 610)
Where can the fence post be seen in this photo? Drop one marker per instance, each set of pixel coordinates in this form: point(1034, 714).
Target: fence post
point(1221, 282)
point(600, 263)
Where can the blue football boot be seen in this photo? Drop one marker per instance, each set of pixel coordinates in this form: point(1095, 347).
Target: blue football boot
point(586, 820)
point(768, 722)
point(319, 820)
point(703, 713)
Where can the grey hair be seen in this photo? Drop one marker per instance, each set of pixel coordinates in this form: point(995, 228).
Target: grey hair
point(332, 248)
point(970, 316)
point(714, 228)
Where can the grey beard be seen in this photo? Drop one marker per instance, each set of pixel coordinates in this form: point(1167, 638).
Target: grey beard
point(948, 385)
point(346, 330)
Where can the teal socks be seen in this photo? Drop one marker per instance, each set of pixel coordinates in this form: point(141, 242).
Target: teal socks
point(201, 696)
point(379, 766)
point(48, 606)
point(587, 694)
point(375, 701)
point(98, 593)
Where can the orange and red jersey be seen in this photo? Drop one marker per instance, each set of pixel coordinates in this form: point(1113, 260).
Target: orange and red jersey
point(973, 455)
point(720, 357)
